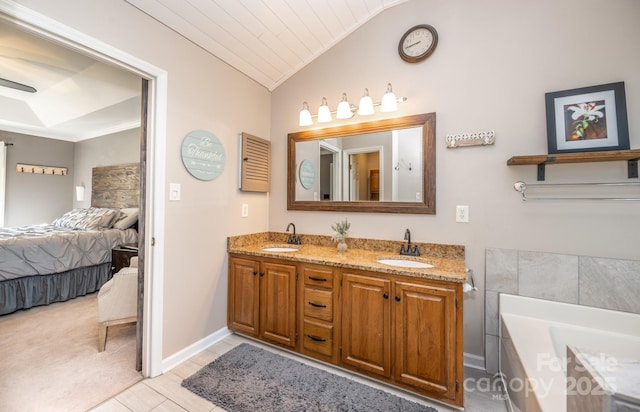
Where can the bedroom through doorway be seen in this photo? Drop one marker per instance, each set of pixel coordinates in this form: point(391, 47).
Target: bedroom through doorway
point(8, 23)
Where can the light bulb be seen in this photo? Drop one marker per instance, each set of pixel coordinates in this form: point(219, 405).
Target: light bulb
point(324, 114)
point(305, 116)
point(366, 104)
point(389, 101)
point(344, 108)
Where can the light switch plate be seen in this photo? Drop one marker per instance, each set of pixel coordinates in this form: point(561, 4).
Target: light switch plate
point(245, 210)
point(174, 191)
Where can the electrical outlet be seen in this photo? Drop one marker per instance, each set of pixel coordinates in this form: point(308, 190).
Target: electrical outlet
point(245, 210)
point(462, 214)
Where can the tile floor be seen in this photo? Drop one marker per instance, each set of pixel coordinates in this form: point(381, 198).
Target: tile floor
point(165, 393)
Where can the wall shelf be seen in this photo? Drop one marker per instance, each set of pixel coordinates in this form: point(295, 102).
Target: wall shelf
point(631, 156)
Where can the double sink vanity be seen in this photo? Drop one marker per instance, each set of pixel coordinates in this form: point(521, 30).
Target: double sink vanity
point(392, 317)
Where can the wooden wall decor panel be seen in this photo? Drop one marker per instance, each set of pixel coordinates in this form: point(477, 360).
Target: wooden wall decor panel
point(116, 186)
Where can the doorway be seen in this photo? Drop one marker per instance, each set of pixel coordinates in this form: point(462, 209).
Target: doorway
point(152, 175)
point(365, 177)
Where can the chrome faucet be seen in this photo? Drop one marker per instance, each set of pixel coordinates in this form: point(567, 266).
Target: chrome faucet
point(293, 239)
point(408, 251)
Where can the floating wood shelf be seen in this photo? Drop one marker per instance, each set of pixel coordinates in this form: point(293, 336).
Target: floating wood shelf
point(631, 156)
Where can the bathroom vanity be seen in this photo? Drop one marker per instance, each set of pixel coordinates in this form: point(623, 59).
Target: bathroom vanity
point(398, 324)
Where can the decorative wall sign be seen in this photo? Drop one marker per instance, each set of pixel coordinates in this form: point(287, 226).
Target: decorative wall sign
point(203, 155)
point(307, 174)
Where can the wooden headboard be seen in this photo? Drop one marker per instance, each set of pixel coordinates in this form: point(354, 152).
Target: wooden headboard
point(116, 186)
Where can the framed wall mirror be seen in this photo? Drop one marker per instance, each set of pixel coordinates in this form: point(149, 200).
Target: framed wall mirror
point(384, 166)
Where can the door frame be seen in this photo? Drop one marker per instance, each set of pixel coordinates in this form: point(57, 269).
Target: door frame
point(347, 179)
point(155, 175)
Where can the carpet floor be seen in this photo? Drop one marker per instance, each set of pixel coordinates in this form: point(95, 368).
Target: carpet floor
point(248, 378)
point(49, 359)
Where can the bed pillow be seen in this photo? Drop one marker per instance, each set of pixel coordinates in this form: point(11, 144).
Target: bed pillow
point(71, 218)
point(128, 216)
point(98, 218)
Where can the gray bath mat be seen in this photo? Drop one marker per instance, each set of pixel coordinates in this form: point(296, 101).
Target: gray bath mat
point(251, 379)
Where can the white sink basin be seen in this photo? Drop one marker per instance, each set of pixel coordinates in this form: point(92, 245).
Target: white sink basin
point(280, 249)
point(404, 263)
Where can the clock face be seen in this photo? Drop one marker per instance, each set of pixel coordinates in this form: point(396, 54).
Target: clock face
point(418, 43)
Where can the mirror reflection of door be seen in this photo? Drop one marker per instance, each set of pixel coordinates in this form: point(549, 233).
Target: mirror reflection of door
point(374, 184)
point(363, 184)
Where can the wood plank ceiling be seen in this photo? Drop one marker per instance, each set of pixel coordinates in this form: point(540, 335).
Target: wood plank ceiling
point(268, 40)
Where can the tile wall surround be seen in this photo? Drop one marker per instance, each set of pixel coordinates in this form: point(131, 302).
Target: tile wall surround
point(583, 280)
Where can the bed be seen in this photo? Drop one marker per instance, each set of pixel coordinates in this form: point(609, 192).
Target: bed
point(71, 256)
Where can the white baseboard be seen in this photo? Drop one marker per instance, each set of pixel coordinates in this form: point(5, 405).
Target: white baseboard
point(474, 361)
point(191, 350)
point(470, 360)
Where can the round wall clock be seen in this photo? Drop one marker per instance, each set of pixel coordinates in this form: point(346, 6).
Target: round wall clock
point(418, 43)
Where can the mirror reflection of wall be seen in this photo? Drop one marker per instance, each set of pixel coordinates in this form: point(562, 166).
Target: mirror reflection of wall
point(407, 166)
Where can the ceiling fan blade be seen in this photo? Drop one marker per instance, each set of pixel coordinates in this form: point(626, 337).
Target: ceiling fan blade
point(17, 86)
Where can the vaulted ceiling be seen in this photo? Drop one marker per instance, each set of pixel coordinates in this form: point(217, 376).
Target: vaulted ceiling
point(79, 98)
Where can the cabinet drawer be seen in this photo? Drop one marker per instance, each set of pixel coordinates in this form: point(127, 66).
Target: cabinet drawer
point(317, 337)
point(321, 278)
point(318, 304)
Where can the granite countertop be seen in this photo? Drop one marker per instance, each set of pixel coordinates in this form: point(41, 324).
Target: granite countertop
point(448, 260)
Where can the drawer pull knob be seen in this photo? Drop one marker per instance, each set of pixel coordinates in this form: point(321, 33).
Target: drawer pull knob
point(317, 279)
point(386, 296)
point(255, 273)
point(397, 298)
point(261, 274)
point(317, 305)
point(315, 338)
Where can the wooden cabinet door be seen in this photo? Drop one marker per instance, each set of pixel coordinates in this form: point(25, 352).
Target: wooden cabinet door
point(425, 337)
point(366, 323)
point(244, 297)
point(278, 303)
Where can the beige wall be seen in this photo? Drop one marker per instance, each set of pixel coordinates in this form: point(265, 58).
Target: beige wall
point(203, 93)
point(494, 62)
point(32, 198)
point(112, 149)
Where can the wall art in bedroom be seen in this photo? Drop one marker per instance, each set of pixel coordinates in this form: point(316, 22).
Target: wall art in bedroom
point(203, 155)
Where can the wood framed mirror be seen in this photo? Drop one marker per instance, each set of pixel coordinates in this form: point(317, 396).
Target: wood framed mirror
point(384, 166)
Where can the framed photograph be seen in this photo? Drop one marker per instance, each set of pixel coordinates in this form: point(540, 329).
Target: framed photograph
point(589, 119)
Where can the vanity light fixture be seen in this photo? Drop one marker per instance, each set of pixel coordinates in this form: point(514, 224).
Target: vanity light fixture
point(346, 110)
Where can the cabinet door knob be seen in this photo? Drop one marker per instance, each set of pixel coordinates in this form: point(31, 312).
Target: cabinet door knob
point(397, 298)
point(386, 296)
point(255, 273)
point(261, 274)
